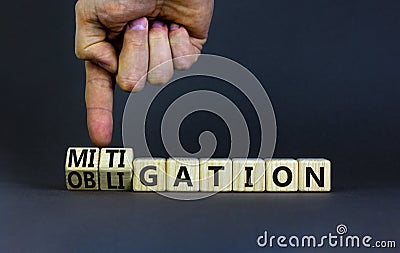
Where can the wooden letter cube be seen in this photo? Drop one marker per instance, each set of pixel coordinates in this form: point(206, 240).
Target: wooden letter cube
point(115, 169)
point(248, 175)
point(282, 175)
point(149, 174)
point(314, 175)
point(183, 174)
point(215, 174)
point(81, 169)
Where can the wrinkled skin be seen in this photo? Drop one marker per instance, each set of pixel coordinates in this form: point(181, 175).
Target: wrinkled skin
point(121, 40)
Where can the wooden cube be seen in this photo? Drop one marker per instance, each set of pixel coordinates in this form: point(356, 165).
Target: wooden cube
point(314, 175)
point(81, 168)
point(282, 175)
point(215, 175)
point(248, 175)
point(149, 174)
point(183, 174)
point(115, 169)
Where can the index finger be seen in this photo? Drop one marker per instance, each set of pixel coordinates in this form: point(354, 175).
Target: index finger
point(99, 103)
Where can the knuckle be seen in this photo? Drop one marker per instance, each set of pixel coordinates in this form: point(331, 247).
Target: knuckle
point(128, 83)
point(182, 64)
point(81, 10)
point(94, 53)
point(158, 35)
point(78, 6)
point(79, 54)
point(98, 82)
point(83, 53)
point(137, 42)
point(159, 78)
point(179, 41)
point(116, 8)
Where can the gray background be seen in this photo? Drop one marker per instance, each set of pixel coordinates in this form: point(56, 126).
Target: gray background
point(331, 71)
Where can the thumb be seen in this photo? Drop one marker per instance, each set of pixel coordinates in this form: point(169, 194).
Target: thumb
point(90, 40)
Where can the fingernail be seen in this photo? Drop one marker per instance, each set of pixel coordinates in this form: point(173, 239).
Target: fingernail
point(138, 24)
point(174, 27)
point(157, 24)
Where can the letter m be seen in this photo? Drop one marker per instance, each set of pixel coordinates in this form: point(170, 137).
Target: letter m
point(352, 241)
point(311, 241)
point(74, 161)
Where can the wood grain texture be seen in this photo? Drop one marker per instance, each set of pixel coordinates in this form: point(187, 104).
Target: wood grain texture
point(248, 175)
point(282, 175)
point(215, 175)
point(89, 168)
point(81, 168)
point(183, 174)
point(116, 169)
point(314, 175)
point(149, 174)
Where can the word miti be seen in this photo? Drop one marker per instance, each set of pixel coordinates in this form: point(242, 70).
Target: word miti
point(116, 169)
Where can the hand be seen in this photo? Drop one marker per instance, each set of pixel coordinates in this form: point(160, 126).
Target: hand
point(120, 40)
